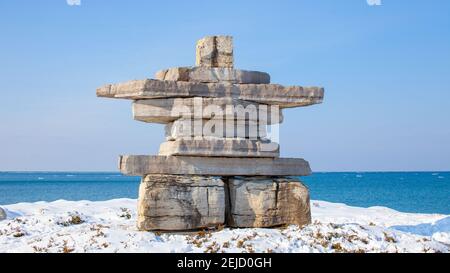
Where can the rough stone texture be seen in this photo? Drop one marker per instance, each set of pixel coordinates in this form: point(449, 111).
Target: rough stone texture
point(173, 74)
point(179, 202)
point(214, 51)
point(221, 74)
point(267, 202)
point(2, 214)
point(180, 189)
point(220, 148)
point(139, 165)
point(289, 96)
point(212, 75)
point(214, 128)
point(171, 109)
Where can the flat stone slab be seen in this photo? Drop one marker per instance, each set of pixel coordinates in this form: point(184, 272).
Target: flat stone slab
point(220, 148)
point(170, 109)
point(140, 165)
point(180, 202)
point(290, 96)
point(264, 202)
point(214, 128)
point(212, 75)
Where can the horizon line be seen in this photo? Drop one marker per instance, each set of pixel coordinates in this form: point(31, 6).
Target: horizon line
point(345, 171)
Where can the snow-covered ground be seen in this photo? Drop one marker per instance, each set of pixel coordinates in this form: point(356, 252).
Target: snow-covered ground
point(109, 226)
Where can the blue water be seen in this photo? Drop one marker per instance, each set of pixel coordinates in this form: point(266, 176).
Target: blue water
point(424, 192)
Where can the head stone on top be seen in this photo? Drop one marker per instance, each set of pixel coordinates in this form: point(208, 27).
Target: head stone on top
point(215, 51)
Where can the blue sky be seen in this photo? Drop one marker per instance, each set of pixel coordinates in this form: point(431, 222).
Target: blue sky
point(385, 69)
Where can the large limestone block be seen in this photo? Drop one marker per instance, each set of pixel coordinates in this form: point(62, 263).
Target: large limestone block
point(267, 202)
point(289, 96)
point(220, 148)
point(179, 202)
point(139, 165)
point(214, 128)
point(170, 109)
point(215, 51)
point(212, 74)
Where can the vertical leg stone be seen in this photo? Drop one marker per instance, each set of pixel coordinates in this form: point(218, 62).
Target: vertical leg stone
point(267, 202)
point(180, 202)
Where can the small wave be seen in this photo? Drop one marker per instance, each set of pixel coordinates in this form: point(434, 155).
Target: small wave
point(359, 176)
point(441, 177)
point(70, 175)
point(40, 178)
point(435, 174)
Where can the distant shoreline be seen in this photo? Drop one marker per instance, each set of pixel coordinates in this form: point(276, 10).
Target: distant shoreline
point(117, 172)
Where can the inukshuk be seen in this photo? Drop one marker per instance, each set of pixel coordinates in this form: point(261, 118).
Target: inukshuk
point(218, 166)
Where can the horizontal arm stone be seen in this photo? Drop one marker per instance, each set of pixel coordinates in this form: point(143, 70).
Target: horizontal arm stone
point(289, 96)
point(170, 109)
point(139, 165)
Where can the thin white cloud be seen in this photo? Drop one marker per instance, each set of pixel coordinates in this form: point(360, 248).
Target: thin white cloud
point(374, 2)
point(73, 2)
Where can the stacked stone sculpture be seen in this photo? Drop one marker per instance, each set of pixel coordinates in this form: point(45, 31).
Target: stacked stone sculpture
point(219, 165)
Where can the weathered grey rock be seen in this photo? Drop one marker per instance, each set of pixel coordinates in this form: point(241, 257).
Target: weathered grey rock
point(290, 96)
point(267, 202)
point(212, 74)
point(220, 148)
point(180, 202)
point(173, 74)
point(215, 51)
point(181, 188)
point(222, 74)
point(139, 165)
point(2, 214)
point(171, 109)
point(214, 128)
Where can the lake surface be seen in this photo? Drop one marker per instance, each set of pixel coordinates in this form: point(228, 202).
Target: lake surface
point(425, 192)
